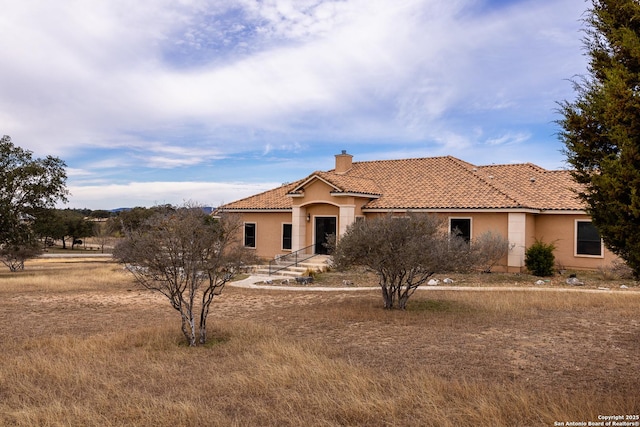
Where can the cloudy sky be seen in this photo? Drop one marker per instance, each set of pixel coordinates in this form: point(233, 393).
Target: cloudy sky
point(167, 101)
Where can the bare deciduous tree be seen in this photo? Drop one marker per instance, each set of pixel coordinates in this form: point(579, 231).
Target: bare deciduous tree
point(405, 252)
point(491, 247)
point(188, 257)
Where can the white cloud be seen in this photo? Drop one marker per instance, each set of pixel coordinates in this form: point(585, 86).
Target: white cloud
point(99, 71)
point(111, 196)
point(509, 138)
point(299, 19)
point(73, 172)
point(175, 84)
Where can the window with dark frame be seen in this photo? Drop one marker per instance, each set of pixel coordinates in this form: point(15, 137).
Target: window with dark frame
point(250, 235)
point(588, 240)
point(286, 236)
point(461, 227)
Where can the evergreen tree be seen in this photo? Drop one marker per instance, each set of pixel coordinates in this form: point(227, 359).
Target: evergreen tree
point(601, 127)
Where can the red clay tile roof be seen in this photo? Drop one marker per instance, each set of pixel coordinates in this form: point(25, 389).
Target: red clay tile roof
point(436, 183)
point(430, 183)
point(275, 199)
point(534, 186)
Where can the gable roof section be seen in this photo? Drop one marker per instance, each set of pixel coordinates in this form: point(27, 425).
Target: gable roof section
point(434, 183)
point(341, 183)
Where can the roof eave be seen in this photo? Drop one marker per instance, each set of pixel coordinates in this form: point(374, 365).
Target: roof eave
point(452, 209)
point(262, 210)
point(564, 211)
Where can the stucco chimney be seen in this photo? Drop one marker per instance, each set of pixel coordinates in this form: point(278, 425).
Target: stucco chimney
point(343, 162)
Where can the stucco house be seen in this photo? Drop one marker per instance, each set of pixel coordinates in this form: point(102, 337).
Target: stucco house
point(523, 202)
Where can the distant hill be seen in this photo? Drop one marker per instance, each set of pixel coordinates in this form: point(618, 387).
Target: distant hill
point(206, 209)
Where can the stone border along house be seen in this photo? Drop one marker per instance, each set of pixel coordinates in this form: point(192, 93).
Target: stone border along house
point(523, 202)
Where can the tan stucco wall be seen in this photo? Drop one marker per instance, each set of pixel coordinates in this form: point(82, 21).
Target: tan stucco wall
point(360, 202)
point(532, 232)
point(551, 228)
point(268, 232)
point(314, 192)
point(483, 222)
point(560, 230)
point(495, 222)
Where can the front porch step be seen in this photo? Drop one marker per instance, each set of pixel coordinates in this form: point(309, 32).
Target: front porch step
point(315, 263)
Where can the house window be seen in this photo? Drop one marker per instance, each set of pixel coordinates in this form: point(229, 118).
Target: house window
point(286, 236)
point(460, 227)
point(588, 240)
point(250, 235)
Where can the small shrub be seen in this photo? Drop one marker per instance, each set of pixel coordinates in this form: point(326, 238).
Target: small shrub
point(310, 273)
point(539, 258)
point(616, 270)
point(490, 247)
point(606, 273)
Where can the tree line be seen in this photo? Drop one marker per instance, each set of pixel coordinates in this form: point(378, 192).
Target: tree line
point(66, 228)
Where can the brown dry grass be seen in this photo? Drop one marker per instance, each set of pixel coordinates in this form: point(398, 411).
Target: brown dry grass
point(82, 346)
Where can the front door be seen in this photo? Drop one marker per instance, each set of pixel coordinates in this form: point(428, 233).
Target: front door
point(325, 225)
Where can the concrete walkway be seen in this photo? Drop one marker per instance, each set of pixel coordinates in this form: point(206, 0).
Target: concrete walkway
point(250, 283)
point(75, 255)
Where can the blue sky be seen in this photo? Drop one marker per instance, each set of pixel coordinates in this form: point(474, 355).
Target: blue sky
point(168, 101)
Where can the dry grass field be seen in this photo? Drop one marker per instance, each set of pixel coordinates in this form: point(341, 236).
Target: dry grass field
point(81, 345)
